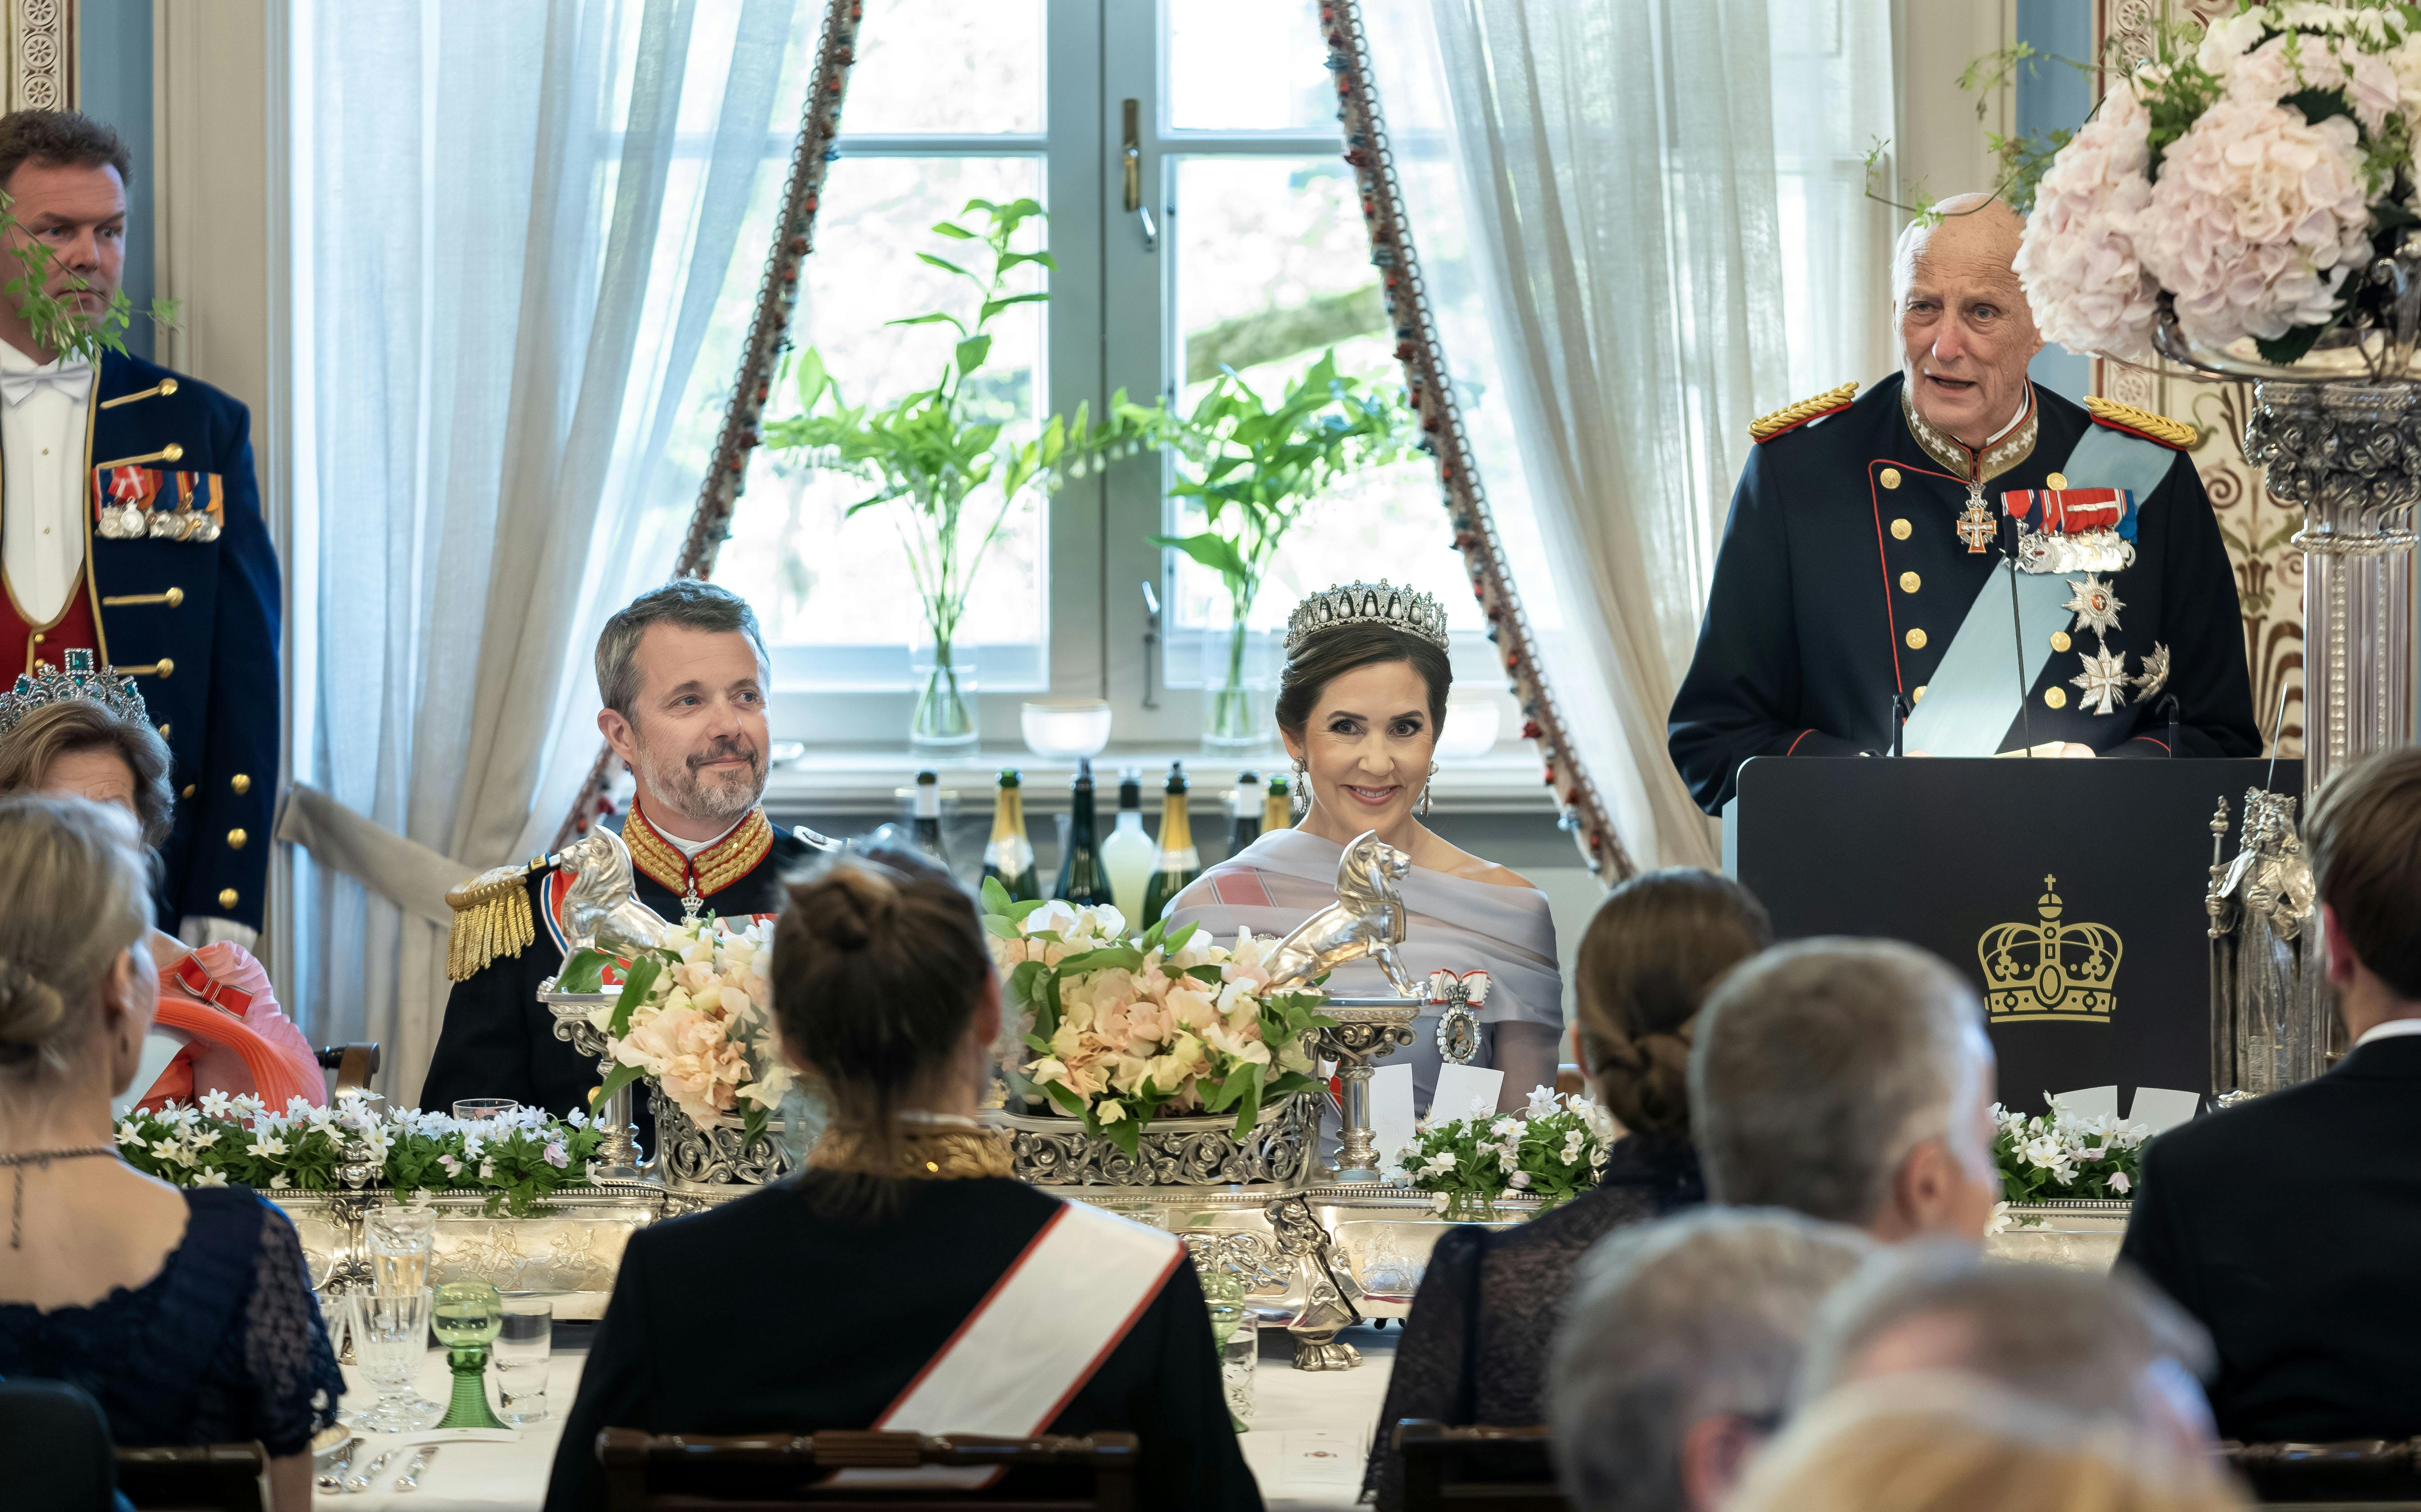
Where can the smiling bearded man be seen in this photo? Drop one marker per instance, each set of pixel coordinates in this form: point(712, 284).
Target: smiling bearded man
point(682, 674)
point(1849, 591)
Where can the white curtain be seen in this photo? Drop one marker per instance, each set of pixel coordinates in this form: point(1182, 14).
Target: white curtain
point(512, 223)
point(1654, 232)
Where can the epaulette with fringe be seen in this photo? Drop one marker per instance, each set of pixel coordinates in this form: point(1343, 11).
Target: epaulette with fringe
point(1768, 427)
point(491, 918)
point(2176, 434)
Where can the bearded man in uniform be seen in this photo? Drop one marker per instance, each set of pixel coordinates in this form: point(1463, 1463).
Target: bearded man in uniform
point(682, 674)
point(1865, 576)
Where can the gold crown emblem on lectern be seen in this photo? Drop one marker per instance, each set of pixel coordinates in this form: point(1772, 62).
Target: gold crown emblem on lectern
point(2049, 969)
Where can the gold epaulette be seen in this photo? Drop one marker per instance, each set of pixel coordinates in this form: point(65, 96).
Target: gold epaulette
point(1768, 427)
point(491, 918)
point(2144, 423)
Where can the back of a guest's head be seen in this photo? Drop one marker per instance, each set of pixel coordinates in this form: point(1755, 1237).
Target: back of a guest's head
point(73, 896)
point(878, 967)
point(1678, 1348)
point(1951, 1443)
point(2100, 1345)
point(1653, 948)
point(2364, 836)
point(1849, 1080)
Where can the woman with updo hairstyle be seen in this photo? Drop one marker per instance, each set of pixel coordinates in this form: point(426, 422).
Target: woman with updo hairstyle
point(904, 1235)
point(1476, 1344)
point(1359, 705)
point(219, 1028)
point(187, 1315)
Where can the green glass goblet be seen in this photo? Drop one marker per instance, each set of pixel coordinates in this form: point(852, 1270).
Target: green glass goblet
point(465, 1320)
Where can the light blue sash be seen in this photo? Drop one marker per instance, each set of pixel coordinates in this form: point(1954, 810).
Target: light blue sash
point(1976, 694)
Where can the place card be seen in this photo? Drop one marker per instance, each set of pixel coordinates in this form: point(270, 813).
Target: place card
point(1466, 1092)
point(2090, 1102)
point(2163, 1107)
point(1391, 1114)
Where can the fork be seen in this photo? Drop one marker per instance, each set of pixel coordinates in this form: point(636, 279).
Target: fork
point(362, 1481)
point(409, 1479)
point(334, 1480)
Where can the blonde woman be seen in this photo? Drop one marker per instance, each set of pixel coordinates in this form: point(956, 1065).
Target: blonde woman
point(188, 1315)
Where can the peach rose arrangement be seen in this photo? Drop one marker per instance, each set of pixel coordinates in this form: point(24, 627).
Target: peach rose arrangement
point(694, 1016)
point(1117, 1031)
point(2246, 174)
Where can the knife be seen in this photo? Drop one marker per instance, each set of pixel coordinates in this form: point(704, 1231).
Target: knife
point(409, 1479)
point(362, 1481)
point(334, 1480)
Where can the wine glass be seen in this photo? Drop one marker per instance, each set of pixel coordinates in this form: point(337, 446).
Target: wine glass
point(390, 1338)
point(467, 1317)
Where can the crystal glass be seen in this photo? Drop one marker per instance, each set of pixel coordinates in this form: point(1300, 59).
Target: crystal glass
point(1064, 728)
point(334, 1316)
point(402, 1240)
point(1237, 1335)
point(390, 1339)
point(467, 1318)
point(468, 1109)
point(524, 1344)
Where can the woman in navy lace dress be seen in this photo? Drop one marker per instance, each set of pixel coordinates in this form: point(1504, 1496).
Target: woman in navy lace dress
point(1475, 1348)
point(187, 1315)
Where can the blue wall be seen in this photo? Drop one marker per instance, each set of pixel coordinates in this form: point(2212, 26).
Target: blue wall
point(2051, 97)
point(114, 84)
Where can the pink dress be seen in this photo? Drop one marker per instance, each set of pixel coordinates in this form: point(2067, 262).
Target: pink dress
point(238, 1040)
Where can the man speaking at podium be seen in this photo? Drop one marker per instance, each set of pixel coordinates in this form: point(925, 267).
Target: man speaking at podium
point(1865, 574)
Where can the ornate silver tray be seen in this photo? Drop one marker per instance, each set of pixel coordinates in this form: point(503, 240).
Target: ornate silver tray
point(2083, 1233)
point(1276, 1153)
point(710, 1162)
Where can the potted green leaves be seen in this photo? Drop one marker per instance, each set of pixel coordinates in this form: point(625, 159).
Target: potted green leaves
point(1256, 467)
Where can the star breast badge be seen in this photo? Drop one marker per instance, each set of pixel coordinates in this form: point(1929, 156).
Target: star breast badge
point(2095, 606)
point(2105, 681)
point(2155, 674)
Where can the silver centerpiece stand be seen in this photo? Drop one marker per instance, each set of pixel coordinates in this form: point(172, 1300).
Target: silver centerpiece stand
point(619, 1159)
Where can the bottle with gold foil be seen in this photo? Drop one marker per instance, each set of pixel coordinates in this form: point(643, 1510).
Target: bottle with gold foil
point(1180, 862)
point(1008, 855)
point(1277, 810)
point(1081, 881)
point(1244, 811)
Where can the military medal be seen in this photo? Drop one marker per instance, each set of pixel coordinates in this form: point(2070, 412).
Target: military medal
point(1976, 526)
point(2104, 681)
point(2156, 672)
point(2094, 605)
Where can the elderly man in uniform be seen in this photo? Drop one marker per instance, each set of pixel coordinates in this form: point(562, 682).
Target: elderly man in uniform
point(681, 673)
point(130, 528)
point(1864, 575)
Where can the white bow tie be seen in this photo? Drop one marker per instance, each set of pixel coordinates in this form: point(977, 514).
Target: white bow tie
point(73, 381)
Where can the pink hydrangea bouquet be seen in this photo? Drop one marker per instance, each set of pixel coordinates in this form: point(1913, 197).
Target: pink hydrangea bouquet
point(2244, 175)
point(1117, 1032)
point(694, 1016)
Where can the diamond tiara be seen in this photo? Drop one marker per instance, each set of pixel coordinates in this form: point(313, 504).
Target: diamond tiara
point(1367, 603)
point(47, 685)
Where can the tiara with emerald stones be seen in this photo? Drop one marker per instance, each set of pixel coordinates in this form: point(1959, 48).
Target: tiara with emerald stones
point(47, 685)
point(1364, 603)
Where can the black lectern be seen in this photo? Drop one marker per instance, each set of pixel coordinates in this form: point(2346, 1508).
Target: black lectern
point(2071, 893)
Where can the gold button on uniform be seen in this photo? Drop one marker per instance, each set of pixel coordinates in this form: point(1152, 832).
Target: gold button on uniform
point(172, 452)
point(240, 782)
point(236, 839)
point(1915, 640)
point(188, 792)
point(1909, 582)
point(166, 670)
point(164, 732)
point(1899, 530)
point(2055, 697)
point(226, 897)
point(2056, 481)
point(2060, 640)
point(174, 597)
point(1918, 696)
point(1888, 478)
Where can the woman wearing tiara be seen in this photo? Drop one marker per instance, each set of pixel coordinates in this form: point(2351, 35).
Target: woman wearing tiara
point(85, 734)
point(1359, 707)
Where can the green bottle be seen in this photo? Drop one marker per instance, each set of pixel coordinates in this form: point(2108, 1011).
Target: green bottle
point(1081, 881)
point(1008, 855)
point(1180, 862)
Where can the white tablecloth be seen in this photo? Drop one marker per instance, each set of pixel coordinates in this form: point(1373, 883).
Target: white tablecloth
point(1310, 1434)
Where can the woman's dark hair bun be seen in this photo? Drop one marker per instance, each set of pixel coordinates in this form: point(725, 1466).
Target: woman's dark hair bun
point(846, 907)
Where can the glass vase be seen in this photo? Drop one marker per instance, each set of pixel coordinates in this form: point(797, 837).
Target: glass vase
point(1239, 683)
point(944, 719)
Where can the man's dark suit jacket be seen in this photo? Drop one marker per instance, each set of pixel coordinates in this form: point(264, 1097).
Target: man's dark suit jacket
point(2291, 1227)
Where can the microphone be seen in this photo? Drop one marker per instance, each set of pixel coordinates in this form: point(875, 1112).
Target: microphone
point(1901, 708)
point(2170, 705)
point(2018, 632)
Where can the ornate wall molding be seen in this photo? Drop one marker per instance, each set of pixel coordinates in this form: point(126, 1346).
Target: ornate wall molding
point(41, 55)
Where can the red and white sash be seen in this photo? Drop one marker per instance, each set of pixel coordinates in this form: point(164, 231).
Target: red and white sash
point(1033, 1341)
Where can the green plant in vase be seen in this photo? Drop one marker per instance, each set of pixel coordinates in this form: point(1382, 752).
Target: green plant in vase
point(1256, 469)
point(942, 456)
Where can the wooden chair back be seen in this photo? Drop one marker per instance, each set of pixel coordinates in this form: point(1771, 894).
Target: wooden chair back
point(1476, 1469)
point(2376, 1473)
point(210, 1478)
point(779, 1472)
point(354, 1064)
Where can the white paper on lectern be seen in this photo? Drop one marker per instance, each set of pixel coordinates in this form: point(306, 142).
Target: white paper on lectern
point(2090, 1102)
point(2163, 1107)
point(1391, 1114)
point(1459, 1087)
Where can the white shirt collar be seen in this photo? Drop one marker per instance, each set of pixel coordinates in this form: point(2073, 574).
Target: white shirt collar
point(14, 361)
point(2389, 1030)
point(692, 848)
point(2024, 404)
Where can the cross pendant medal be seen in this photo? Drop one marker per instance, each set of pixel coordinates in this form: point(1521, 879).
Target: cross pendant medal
point(1975, 525)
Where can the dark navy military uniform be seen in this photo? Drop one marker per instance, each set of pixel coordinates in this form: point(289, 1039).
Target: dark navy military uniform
point(1842, 581)
point(499, 1040)
point(180, 591)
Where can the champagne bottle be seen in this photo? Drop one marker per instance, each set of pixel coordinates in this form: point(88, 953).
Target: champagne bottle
point(1128, 854)
point(1009, 856)
point(1244, 817)
point(1080, 879)
point(926, 819)
point(1180, 862)
point(1277, 811)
